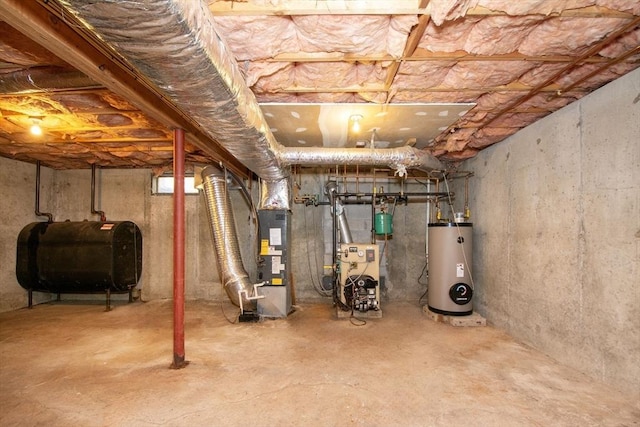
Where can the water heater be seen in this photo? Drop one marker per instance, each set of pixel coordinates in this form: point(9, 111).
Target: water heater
point(450, 285)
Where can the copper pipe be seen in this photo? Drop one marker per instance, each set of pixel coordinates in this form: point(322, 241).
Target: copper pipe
point(178, 250)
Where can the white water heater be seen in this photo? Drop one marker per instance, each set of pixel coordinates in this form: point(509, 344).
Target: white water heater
point(450, 289)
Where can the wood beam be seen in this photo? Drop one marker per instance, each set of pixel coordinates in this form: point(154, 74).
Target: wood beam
point(412, 43)
point(329, 57)
point(318, 7)
point(377, 7)
point(460, 55)
point(512, 87)
point(569, 67)
point(580, 12)
point(421, 54)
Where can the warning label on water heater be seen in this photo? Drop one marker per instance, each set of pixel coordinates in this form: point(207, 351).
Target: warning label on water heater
point(459, 269)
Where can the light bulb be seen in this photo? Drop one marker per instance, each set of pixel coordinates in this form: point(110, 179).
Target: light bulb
point(356, 122)
point(35, 128)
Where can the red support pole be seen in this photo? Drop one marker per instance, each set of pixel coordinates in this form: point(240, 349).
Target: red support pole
point(178, 250)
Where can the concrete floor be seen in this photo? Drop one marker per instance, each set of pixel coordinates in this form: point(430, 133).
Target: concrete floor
point(65, 364)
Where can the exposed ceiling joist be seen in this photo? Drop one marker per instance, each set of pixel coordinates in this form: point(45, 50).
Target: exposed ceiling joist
point(412, 43)
point(424, 55)
point(374, 7)
point(511, 87)
point(45, 27)
point(589, 53)
point(318, 7)
point(517, 63)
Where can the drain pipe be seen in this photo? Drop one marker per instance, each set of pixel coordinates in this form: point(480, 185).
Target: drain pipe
point(103, 217)
point(233, 276)
point(37, 210)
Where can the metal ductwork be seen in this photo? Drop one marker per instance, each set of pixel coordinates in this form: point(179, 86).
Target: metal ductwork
point(401, 159)
point(225, 239)
point(174, 45)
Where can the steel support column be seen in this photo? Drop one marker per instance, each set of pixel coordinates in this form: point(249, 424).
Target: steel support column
point(178, 250)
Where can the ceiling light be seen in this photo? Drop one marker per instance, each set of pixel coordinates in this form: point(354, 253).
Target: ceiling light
point(355, 127)
point(35, 128)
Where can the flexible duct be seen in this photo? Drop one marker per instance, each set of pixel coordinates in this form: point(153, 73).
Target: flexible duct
point(173, 44)
point(401, 159)
point(225, 239)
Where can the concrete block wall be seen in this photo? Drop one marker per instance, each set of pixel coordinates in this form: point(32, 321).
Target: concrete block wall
point(556, 212)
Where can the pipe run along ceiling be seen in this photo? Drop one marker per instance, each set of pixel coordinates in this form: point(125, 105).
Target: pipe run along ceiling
point(510, 63)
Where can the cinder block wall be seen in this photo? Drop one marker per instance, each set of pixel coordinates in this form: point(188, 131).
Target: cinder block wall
point(556, 210)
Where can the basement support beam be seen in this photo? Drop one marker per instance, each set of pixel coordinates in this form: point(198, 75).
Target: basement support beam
point(178, 250)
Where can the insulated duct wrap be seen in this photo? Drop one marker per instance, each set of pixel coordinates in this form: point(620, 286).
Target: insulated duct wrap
point(225, 239)
point(275, 194)
point(400, 159)
point(174, 44)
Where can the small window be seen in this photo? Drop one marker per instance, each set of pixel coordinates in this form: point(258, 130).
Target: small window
point(164, 184)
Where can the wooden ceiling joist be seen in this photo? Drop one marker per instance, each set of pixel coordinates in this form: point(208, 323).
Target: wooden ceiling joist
point(62, 38)
point(375, 7)
point(318, 7)
point(424, 55)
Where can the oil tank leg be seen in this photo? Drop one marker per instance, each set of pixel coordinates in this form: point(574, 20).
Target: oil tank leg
point(130, 295)
point(108, 300)
point(30, 298)
point(58, 297)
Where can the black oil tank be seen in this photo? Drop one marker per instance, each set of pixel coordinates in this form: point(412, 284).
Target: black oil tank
point(79, 257)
